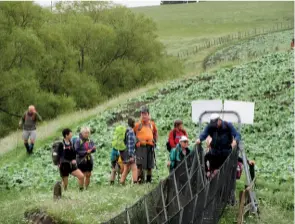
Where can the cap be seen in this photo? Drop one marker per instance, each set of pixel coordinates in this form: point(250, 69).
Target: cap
point(144, 109)
point(183, 138)
point(214, 117)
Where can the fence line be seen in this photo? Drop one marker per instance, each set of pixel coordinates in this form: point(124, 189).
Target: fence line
point(186, 195)
point(235, 36)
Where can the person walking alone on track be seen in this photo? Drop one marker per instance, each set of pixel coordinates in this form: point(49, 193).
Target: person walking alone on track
point(28, 123)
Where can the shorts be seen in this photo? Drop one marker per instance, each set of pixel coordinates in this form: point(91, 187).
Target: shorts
point(85, 165)
point(67, 168)
point(29, 135)
point(145, 157)
point(125, 156)
point(115, 156)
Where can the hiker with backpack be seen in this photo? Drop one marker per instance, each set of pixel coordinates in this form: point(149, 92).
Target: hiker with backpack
point(224, 139)
point(28, 123)
point(66, 159)
point(84, 148)
point(124, 143)
point(128, 156)
point(146, 137)
point(178, 153)
point(175, 134)
point(116, 165)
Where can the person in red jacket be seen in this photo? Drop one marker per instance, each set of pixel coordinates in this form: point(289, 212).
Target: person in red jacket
point(175, 134)
point(292, 44)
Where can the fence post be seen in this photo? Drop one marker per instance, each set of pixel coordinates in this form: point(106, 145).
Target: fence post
point(127, 214)
point(146, 211)
point(206, 189)
point(176, 189)
point(163, 200)
point(189, 179)
point(180, 217)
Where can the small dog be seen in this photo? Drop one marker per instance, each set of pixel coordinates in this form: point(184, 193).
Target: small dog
point(57, 190)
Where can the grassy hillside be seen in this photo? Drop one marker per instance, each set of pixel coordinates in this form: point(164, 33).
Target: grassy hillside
point(248, 49)
point(183, 27)
point(180, 26)
point(26, 182)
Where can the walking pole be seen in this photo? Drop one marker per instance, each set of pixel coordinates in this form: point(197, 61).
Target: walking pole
point(16, 141)
point(156, 163)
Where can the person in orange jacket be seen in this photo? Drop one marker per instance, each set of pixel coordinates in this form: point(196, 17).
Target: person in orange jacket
point(292, 44)
point(146, 137)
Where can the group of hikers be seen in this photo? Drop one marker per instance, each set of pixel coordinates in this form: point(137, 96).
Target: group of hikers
point(133, 148)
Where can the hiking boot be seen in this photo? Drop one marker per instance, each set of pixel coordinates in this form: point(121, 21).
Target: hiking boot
point(81, 189)
point(112, 182)
point(232, 200)
point(148, 178)
point(140, 181)
point(27, 147)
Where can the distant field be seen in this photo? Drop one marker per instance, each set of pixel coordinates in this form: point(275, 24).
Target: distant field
point(180, 26)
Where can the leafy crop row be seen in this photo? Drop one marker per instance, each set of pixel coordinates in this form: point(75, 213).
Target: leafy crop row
point(268, 82)
point(255, 47)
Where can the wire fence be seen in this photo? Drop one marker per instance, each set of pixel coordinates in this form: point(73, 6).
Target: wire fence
point(235, 36)
point(186, 195)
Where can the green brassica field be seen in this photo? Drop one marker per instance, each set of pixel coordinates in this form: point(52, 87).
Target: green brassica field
point(255, 47)
point(268, 82)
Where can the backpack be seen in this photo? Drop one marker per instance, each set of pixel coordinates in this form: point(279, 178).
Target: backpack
point(26, 117)
point(168, 143)
point(119, 138)
point(74, 140)
point(239, 170)
point(55, 152)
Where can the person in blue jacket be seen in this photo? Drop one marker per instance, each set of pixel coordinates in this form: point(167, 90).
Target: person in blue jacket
point(224, 139)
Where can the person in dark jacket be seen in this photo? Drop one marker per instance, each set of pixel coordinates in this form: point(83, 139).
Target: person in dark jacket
point(84, 148)
point(176, 133)
point(28, 123)
point(224, 139)
point(68, 164)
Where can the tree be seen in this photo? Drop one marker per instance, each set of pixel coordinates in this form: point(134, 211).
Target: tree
point(74, 57)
